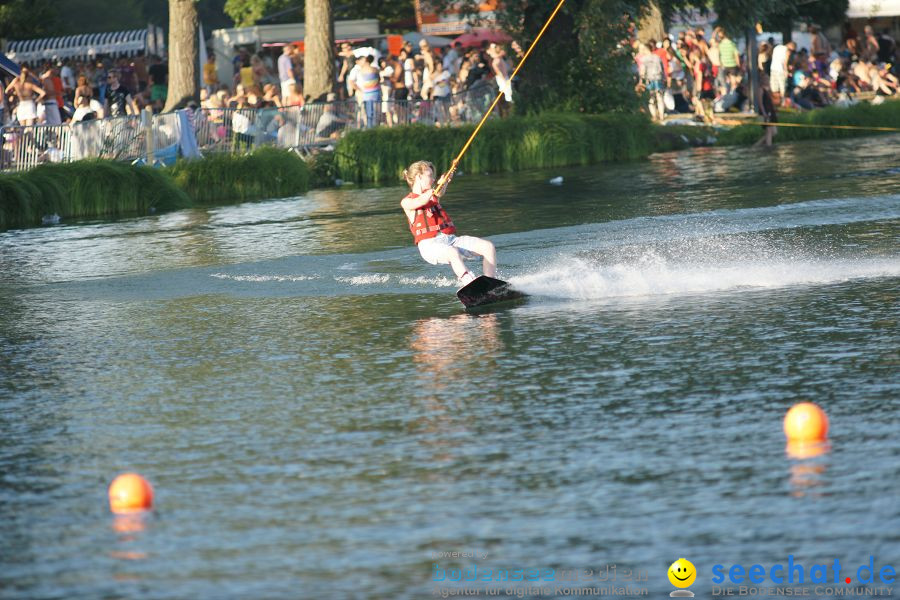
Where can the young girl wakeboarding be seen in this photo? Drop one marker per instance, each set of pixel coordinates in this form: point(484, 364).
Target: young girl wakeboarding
point(434, 232)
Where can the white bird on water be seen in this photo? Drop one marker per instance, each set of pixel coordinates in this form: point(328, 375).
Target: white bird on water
point(556, 180)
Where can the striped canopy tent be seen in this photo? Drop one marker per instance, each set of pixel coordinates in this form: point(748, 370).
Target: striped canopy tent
point(87, 45)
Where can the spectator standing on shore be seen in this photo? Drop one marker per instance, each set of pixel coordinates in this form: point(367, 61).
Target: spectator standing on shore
point(411, 79)
point(244, 75)
point(85, 105)
point(158, 94)
point(139, 64)
point(286, 69)
point(368, 85)
point(100, 81)
point(501, 71)
point(821, 49)
point(870, 45)
point(348, 61)
point(650, 70)
point(781, 57)
point(52, 102)
point(441, 93)
point(158, 71)
point(261, 75)
point(210, 74)
point(886, 47)
point(766, 110)
point(715, 59)
point(68, 79)
point(730, 59)
point(294, 96)
point(452, 59)
point(25, 91)
point(119, 98)
point(704, 87)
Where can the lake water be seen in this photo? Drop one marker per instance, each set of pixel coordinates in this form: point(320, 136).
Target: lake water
point(320, 418)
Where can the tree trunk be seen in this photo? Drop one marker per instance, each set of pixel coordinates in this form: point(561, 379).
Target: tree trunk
point(182, 54)
point(318, 69)
point(651, 25)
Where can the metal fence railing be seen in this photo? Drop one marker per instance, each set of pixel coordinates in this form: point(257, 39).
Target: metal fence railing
point(157, 137)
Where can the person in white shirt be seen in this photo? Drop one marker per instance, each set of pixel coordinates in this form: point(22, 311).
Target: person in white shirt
point(781, 56)
point(68, 79)
point(452, 59)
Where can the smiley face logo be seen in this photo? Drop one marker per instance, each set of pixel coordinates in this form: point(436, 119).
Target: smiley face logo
point(682, 573)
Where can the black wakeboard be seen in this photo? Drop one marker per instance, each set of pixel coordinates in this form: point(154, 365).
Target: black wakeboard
point(487, 290)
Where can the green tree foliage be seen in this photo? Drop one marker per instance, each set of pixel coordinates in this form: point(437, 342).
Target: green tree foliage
point(247, 12)
point(24, 19)
point(388, 12)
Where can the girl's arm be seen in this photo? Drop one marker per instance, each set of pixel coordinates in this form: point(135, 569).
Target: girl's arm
point(417, 201)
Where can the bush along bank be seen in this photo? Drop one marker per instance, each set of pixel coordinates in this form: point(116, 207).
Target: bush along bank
point(105, 188)
point(513, 144)
point(85, 189)
point(226, 178)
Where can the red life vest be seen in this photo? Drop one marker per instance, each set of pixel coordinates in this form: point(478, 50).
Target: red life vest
point(429, 221)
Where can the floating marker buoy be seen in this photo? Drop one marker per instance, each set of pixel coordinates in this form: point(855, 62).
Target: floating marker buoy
point(556, 180)
point(130, 492)
point(806, 422)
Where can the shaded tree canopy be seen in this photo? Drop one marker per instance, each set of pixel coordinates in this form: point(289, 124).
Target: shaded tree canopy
point(388, 12)
point(24, 19)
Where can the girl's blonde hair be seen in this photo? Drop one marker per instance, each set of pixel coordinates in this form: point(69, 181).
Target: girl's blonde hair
point(420, 166)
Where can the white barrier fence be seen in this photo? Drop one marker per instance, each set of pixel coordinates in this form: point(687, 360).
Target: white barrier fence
point(158, 138)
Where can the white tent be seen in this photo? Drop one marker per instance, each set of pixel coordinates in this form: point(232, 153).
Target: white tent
point(88, 45)
point(868, 9)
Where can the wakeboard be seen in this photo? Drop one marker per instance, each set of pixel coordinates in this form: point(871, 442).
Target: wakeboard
point(486, 290)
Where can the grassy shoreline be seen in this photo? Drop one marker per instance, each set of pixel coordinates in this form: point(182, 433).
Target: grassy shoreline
point(103, 188)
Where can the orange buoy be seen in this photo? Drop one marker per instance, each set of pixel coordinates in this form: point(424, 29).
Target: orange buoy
point(806, 422)
point(130, 492)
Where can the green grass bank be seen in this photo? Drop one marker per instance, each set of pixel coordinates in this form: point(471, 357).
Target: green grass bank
point(85, 189)
point(512, 144)
point(862, 115)
point(103, 188)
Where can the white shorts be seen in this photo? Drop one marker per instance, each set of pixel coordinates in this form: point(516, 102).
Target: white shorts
point(26, 110)
point(432, 249)
point(777, 81)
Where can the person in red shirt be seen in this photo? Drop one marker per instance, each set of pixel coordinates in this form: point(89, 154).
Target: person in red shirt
point(433, 230)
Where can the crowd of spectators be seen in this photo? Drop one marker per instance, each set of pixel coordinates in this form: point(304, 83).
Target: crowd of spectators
point(56, 92)
point(419, 83)
point(688, 73)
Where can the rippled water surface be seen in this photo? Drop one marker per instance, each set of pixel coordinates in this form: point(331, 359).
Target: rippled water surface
point(320, 419)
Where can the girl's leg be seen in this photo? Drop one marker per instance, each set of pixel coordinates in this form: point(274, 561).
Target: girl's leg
point(486, 250)
point(456, 262)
